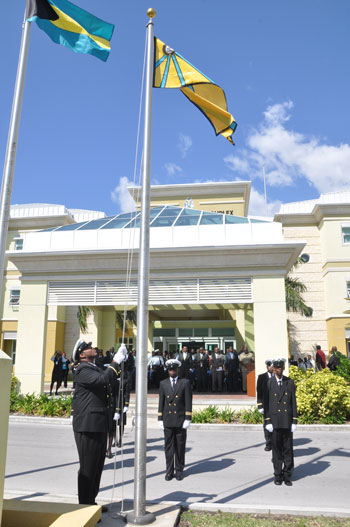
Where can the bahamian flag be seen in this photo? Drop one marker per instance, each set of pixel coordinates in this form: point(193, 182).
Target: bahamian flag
point(172, 70)
point(71, 26)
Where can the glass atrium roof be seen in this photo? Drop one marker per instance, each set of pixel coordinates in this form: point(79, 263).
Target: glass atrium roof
point(163, 216)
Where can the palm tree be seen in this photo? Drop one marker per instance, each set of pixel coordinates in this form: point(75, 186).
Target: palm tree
point(294, 291)
point(83, 313)
point(130, 316)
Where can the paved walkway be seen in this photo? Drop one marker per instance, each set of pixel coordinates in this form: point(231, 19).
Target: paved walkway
point(226, 468)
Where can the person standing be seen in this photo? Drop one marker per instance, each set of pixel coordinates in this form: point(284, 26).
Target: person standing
point(185, 358)
point(261, 389)
point(201, 362)
point(57, 372)
point(246, 360)
point(217, 369)
point(334, 360)
point(232, 369)
point(65, 368)
point(90, 416)
point(320, 359)
point(281, 420)
point(174, 417)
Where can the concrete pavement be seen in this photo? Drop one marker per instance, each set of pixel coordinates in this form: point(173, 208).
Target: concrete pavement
point(226, 468)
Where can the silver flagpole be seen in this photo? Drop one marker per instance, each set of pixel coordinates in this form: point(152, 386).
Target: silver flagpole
point(139, 515)
point(11, 149)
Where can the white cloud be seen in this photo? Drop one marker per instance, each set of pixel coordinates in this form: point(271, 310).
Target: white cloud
point(257, 205)
point(184, 144)
point(121, 195)
point(288, 155)
point(172, 169)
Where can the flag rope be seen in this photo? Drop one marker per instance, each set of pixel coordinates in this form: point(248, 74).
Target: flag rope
point(130, 256)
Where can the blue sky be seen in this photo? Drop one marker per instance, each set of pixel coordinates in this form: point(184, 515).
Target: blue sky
point(284, 67)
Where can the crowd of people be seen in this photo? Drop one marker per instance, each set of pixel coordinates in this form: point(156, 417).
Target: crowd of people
point(207, 371)
point(318, 363)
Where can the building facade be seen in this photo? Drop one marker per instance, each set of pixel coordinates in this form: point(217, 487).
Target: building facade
point(216, 277)
point(324, 224)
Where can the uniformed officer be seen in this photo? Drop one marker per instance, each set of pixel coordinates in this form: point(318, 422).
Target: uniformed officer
point(89, 412)
point(174, 417)
point(261, 388)
point(281, 420)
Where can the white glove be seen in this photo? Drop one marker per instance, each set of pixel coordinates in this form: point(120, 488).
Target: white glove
point(269, 428)
point(125, 409)
point(261, 410)
point(121, 354)
point(186, 424)
point(116, 417)
point(161, 425)
point(293, 428)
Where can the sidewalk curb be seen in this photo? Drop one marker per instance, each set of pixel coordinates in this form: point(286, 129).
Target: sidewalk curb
point(205, 507)
point(266, 509)
point(65, 421)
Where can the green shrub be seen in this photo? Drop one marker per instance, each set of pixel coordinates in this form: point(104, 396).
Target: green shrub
point(227, 415)
point(343, 370)
point(207, 415)
point(321, 397)
point(251, 416)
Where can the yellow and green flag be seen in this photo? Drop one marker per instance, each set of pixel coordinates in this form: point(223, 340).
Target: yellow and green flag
point(171, 70)
point(71, 26)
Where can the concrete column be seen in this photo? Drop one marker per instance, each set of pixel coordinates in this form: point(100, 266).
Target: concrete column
point(107, 334)
point(31, 337)
point(270, 320)
point(5, 386)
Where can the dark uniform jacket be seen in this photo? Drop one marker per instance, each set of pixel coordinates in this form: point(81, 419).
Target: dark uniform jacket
point(261, 389)
point(217, 362)
point(281, 406)
point(91, 397)
point(175, 405)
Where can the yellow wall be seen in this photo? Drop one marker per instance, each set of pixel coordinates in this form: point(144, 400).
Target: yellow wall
point(7, 325)
point(54, 341)
point(335, 289)
point(331, 239)
point(336, 333)
point(270, 320)
point(215, 203)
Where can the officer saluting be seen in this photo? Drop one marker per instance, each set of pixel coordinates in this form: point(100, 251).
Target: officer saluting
point(90, 417)
point(174, 417)
point(281, 420)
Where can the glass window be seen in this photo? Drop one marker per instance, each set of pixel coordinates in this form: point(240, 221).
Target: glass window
point(95, 224)
point(153, 213)
point(71, 226)
point(185, 332)
point(235, 219)
point(18, 244)
point(346, 234)
point(348, 289)
point(210, 218)
point(201, 332)
point(162, 332)
point(14, 297)
point(223, 332)
point(305, 257)
point(120, 220)
point(167, 217)
point(188, 217)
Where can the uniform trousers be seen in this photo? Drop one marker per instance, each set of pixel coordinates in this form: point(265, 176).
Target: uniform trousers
point(268, 436)
point(201, 378)
point(282, 452)
point(175, 446)
point(92, 450)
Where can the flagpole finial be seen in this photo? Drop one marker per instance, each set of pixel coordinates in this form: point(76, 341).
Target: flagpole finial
point(151, 12)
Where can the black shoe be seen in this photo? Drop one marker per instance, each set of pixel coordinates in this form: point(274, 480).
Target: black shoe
point(278, 481)
point(288, 482)
point(179, 476)
point(267, 448)
point(168, 478)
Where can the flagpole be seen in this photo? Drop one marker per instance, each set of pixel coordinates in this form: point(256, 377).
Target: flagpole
point(11, 149)
point(139, 515)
